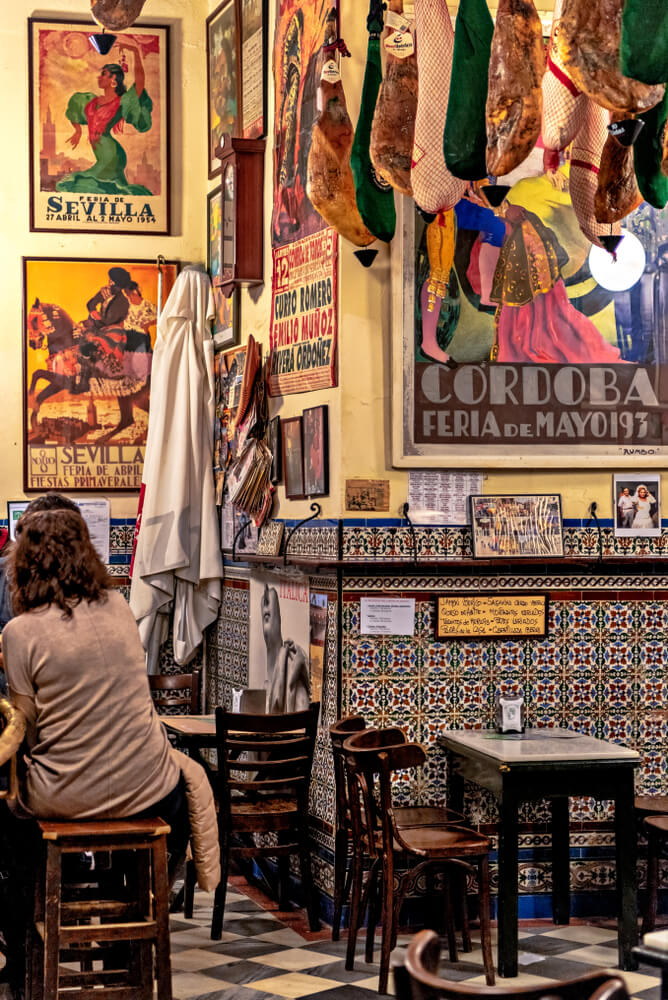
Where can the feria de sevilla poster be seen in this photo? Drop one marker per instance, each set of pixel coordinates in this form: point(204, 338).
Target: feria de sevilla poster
point(99, 130)
point(305, 250)
point(88, 339)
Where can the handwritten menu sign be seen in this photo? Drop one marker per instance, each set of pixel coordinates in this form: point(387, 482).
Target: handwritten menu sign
point(487, 616)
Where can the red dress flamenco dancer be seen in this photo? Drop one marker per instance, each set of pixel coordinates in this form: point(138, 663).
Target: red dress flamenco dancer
point(535, 321)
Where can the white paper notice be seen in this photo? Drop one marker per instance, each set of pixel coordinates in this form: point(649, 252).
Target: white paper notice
point(388, 616)
point(436, 497)
point(96, 515)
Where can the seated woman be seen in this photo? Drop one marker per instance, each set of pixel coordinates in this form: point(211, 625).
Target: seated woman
point(76, 669)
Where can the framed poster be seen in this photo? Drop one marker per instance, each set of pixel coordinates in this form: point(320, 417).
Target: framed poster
point(253, 31)
point(99, 130)
point(222, 73)
point(293, 457)
point(516, 527)
point(214, 215)
point(226, 319)
point(88, 337)
point(524, 358)
point(637, 504)
point(316, 451)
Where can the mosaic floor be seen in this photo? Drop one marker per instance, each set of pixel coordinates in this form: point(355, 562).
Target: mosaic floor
point(267, 955)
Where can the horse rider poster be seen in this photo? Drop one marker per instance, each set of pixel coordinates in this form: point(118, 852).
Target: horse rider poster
point(89, 333)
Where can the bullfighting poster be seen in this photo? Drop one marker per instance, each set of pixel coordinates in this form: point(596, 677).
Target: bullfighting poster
point(301, 29)
point(88, 338)
point(528, 350)
point(279, 642)
point(304, 319)
point(99, 130)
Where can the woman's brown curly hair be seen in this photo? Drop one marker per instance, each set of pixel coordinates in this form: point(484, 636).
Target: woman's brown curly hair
point(53, 561)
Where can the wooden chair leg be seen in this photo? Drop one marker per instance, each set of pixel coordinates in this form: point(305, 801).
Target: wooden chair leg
point(52, 920)
point(341, 879)
point(221, 892)
point(485, 922)
point(373, 894)
point(388, 911)
point(307, 884)
point(355, 907)
point(448, 889)
point(189, 885)
point(161, 903)
point(467, 945)
point(653, 856)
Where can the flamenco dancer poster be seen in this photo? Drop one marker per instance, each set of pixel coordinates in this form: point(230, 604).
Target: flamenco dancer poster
point(89, 333)
point(510, 351)
point(99, 130)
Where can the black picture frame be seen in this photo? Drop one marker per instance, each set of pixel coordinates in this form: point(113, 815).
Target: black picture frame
point(315, 421)
point(293, 457)
point(15, 508)
point(517, 526)
point(275, 447)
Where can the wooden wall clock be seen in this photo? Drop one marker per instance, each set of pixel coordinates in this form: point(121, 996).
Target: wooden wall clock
point(241, 233)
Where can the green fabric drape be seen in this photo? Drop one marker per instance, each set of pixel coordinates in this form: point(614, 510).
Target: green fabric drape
point(375, 198)
point(465, 135)
point(643, 53)
point(648, 154)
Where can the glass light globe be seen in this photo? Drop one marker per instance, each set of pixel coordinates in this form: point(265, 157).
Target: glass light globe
point(620, 270)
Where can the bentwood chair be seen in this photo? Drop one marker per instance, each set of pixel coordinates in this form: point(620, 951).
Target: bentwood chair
point(181, 691)
point(340, 731)
point(264, 772)
point(418, 979)
point(424, 839)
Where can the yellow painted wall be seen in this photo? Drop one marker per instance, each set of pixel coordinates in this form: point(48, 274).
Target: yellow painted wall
point(188, 96)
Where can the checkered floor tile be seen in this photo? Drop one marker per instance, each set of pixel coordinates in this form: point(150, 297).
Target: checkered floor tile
point(264, 955)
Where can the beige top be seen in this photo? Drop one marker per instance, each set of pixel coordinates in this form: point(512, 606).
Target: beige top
point(99, 748)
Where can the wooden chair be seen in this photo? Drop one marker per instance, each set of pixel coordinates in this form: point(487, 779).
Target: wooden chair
point(176, 691)
point(656, 830)
point(264, 772)
point(131, 914)
point(340, 731)
point(430, 838)
point(418, 979)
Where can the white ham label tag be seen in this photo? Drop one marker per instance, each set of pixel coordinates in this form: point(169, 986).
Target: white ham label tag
point(330, 72)
point(400, 44)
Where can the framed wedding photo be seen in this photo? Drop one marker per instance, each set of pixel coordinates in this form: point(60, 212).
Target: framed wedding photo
point(99, 129)
point(517, 527)
point(316, 451)
point(293, 457)
point(636, 504)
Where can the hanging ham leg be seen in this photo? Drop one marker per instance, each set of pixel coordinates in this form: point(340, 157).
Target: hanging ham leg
point(588, 43)
point(563, 103)
point(434, 187)
point(586, 154)
point(617, 193)
point(329, 177)
point(393, 129)
point(514, 97)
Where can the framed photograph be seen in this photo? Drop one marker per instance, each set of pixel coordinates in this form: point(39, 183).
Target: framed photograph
point(223, 84)
point(517, 527)
point(636, 503)
point(214, 214)
point(254, 38)
point(271, 536)
point(293, 457)
point(274, 443)
point(226, 320)
point(88, 333)
point(316, 451)
point(14, 510)
point(99, 130)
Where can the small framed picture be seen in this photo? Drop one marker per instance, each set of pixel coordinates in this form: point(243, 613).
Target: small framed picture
point(274, 443)
point(517, 527)
point(223, 84)
point(636, 503)
point(14, 510)
point(226, 319)
point(214, 215)
point(316, 451)
point(271, 537)
point(293, 457)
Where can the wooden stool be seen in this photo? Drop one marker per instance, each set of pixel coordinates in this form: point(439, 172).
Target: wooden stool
point(130, 899)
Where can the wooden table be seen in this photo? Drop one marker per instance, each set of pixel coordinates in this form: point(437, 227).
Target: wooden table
point(193, 733)
point(552, 764)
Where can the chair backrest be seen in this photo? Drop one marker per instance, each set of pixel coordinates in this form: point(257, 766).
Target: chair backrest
point(371, 758)
point(176, 691)
point(338, 733)
point(417, 979)
point(264, 755)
